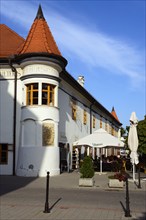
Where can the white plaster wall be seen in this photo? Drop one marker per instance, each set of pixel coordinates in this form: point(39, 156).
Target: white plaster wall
point(6, 111)
point(6, 119)
point(40, 113)
point(35, 159)
point(43, 159)
point(71, 129)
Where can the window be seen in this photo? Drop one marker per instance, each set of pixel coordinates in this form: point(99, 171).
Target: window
point(48, 94)
point(32, 94)
point(74, 111)
point(93, 121)
point(3, 153)
point(106, 126)
point(85, 117)
point(110, 129)
point(113, 131)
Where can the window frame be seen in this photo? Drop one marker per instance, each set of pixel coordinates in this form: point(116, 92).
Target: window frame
point(31, 96)
point(50, 94)
point(74, 110)
point(85, 117)
point(30, 92)
point(94, 121)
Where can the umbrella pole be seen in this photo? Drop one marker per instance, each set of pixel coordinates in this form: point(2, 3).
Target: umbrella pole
point(133, 172)
point(100, 162)
point(100, 165)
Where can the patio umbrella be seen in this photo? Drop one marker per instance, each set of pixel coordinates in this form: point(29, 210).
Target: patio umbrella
point(133, 141)
point(99, 139)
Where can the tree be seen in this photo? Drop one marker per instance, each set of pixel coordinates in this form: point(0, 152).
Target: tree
point(141, 130)
point(87, 170)
point(123, 131)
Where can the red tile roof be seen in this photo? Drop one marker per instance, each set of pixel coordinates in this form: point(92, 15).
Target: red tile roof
point(9, 41)
point(40, 38)
point(114, 114)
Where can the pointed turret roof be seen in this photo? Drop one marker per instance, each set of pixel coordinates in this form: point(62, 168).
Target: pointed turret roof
point(40, 38)
point(114, 114)
point(40, 13)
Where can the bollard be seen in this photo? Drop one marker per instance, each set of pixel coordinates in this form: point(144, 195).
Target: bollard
point(127, 211)
point(47, 210)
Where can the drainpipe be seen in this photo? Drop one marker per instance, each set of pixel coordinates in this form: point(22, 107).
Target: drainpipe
point(14, 114)
point(91, 117)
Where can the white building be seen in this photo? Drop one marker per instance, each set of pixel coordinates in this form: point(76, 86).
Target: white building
point(43, 109)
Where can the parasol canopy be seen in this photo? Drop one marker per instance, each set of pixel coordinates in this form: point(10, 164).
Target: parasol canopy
point(99, 139)
point(133, 139)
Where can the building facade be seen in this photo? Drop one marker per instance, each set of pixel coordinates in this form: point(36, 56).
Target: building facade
point(43, 109)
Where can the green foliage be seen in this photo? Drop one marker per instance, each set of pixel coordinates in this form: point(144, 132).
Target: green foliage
point(141, 130)
point(121, 176)
point(87, 170)
point(123, 131)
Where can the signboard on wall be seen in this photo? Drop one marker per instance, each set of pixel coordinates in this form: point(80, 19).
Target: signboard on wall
point(48, 134)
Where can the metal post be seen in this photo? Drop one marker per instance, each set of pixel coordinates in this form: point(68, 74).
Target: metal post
point(134, 172)
point(14, 114)
point(91, 116)
point(47, 210)
point(127, 211)
point(139, 183)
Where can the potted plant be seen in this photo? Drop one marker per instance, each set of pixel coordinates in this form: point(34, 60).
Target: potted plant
point(117, 180)
point(87, 172)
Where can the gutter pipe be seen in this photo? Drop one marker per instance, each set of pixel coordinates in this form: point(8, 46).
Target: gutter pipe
point(14, 115)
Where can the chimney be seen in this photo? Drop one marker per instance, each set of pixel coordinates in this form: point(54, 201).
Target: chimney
point(81, 80)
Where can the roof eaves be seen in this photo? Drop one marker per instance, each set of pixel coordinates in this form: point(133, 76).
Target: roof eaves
point(70, 79)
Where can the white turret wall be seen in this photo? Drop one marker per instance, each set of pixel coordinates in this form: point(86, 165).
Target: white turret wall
point(39, 151)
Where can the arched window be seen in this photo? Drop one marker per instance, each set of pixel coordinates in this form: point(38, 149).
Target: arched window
point(29, 133)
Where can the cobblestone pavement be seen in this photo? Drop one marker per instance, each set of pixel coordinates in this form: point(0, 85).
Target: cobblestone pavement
point(23, 198)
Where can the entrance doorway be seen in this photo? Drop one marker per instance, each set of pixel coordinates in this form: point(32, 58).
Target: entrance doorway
point(64, 160)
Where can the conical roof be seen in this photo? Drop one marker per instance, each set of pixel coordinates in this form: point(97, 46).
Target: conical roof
point(114, 114)
point(40, 38)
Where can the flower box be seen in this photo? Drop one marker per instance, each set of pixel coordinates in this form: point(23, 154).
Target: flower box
point(115, 183)
point(86, 181)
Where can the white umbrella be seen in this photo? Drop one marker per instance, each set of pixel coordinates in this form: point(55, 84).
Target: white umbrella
point(133, 141)
point(99, 139)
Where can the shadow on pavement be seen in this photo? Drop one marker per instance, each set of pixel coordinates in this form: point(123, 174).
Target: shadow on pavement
point(12, 183)
point(51, 207)
point(143, 217)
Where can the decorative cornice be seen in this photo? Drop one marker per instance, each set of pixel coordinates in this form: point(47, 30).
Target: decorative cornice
point(31, 76)
point(8, 74)
point(56, 59)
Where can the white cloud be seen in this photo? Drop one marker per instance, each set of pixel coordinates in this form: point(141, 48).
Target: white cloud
point(99, 50)
point(93, 48)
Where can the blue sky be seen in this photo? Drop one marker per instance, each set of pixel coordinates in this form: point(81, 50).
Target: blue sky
point(102, 40)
